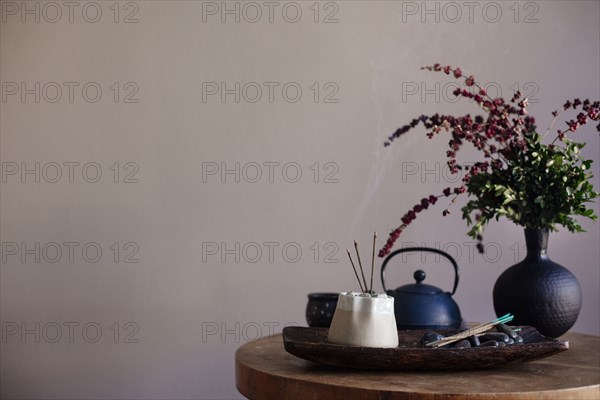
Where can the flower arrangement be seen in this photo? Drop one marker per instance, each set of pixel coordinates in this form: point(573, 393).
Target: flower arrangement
point(533, 184)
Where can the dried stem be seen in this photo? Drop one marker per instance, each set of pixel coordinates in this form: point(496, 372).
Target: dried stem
point(373, 260)
point(360, 265)
point(355, 273)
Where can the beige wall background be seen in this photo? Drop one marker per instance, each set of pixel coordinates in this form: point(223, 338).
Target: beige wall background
point(134, 264)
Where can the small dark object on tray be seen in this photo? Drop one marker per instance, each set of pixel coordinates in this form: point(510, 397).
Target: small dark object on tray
point(518, 340)
point(489, 343)
point(430, 337)
point(462, 344)
point(474, 340)
point(497, 336)
point(507, 329)
point(311, 344)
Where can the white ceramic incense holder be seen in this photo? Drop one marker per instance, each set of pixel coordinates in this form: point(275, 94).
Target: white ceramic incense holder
point(365, 320)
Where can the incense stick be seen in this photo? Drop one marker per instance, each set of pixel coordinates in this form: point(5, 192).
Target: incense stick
point(373, 260)
point(355, 273)
point(360, 264)
point(470, 332)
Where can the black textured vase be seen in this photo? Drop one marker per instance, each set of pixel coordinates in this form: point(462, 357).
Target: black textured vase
point(538, 291)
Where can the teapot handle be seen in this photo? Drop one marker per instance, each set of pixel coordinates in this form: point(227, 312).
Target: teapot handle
point(431, 250)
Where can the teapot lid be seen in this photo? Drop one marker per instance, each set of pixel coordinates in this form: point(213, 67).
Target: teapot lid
point(419, 287)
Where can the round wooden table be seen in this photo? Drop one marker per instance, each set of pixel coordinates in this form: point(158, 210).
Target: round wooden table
point(264, 370)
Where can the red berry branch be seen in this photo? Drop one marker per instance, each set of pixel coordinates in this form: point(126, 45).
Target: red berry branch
point(503, 135)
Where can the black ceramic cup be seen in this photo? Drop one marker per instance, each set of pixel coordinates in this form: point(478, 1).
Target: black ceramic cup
point(320, 309)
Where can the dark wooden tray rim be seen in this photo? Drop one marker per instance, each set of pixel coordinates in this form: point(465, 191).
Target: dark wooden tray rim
point(311, 344)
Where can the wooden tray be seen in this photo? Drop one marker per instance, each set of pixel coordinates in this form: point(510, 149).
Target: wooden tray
point(311, 344)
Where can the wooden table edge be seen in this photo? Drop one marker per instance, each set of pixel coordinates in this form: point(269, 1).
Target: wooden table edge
point(291, 388)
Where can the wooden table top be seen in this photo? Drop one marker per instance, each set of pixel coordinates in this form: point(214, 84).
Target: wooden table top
point(264, 370)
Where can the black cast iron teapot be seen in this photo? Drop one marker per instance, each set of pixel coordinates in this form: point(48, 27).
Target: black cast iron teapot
point(422, 306)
